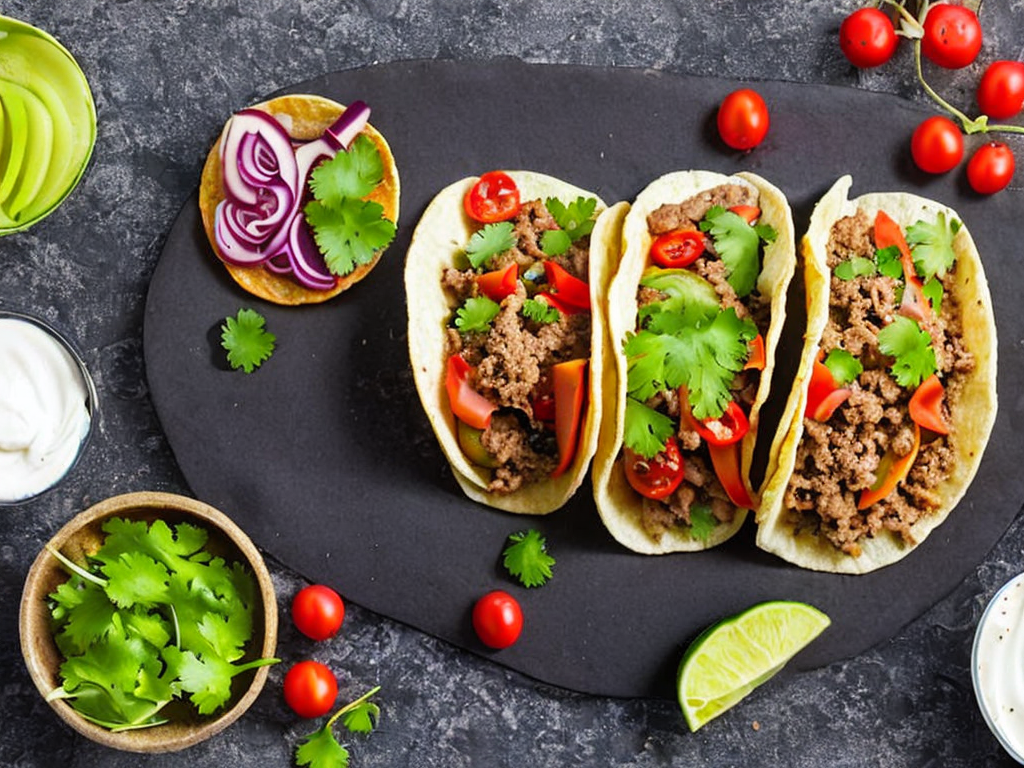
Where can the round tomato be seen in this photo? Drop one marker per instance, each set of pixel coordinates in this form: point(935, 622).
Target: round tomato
point(310, 689)
point(497, 619)
point(952, 35)
point(1001, 89)
point(937, 145)
point(494, 197)
point(657, 477)
point(318, 612)
point(867, 38)
point(677, 249)
point(990, 168)
point(743, 119)
point(727, 429)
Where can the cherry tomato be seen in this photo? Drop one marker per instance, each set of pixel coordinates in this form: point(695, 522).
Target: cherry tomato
point(743, 119)
point(318, 611)
point(937, 145)
point(655, 478)
point(1001, 90)
point(494, 197)
point(726, 429)
point(867, 38)
point(497, 619)
point(678, 248)
point(990, 168)
point(952, 35)
point(310, 689)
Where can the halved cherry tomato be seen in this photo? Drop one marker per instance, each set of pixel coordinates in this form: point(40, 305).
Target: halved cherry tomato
point(823, 394)
point(937, 145)
point(466, 403)
point(318, 611)
point(498, 284)
point(656, 477)
point(867, 38)
point(726, 461)
point(677, 249)
point(757, 359)
point(1001, 89)
point(743, 119)
point(723, 430)
point(569, 381)
point(310, 689)
point(494, 197)
point(952, 35)
point(990, 168)
point(569, 289)
point(926, 405)
point(891, 471)
point(497, 619)
point(749, 213)
point(915, 304)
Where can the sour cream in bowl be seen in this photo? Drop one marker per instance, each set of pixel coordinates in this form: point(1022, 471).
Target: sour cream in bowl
point(47, 407)
point(997, 666)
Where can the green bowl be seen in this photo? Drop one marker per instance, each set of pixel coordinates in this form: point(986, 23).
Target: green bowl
point(47, 124)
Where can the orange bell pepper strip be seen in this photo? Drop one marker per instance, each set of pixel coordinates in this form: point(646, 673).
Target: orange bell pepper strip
point(569, 382)
point(749, 213)
point(823, 396)
point(570, 290)
point(726, 461)
point(915, 304)
point(467, 404)
point(892, 470)
point(500, 283)
point(757, 359)
point(926, 406)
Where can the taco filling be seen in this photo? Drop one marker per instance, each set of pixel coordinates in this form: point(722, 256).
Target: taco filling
point(879, 430)
point(695, 360)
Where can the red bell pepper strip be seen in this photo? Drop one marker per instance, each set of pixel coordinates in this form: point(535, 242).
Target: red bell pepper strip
point(926, 406)
point(891, 471)
point(569, 382)
point(678, 248)
point(723, 430)
point(553, 300)
point(823, 396)
point(750, 213)
point(570, 290)
point(466, 403)
point(498, 284)
point(726, 461)
point(757, 359)
point(915, 304)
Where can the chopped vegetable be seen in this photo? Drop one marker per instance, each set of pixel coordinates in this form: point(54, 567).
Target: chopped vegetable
point(247, 342)
point(322, 750)
point(540, 311)
point(349, 233)
point(569, 289)
point(726, 461)
point(489, 241)
point(926, 406)
point(476, 314)
point(576, 221)
point(527, 558)
point(891, 471)
point(494, 197)
point(823, 394)
point(737, 244)
point(466, 403)
point(931, 244)
point(678, 248)
point(843, 366)
point(888, 234)
point(500, 283)
point(722, 430)
point(757, 359)
point(657, 476)
point(569, 381)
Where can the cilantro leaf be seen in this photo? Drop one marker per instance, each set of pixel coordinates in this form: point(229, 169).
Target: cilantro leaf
point(575, 220)
point(931, 245)
point(843, 366)
point(646, 430)
point(555, 242)
point(351, 174)
point(362, 718)
point(85, 613)
point(321, 750)
point(489, 241)
point(737, 244)
point(857, 266)
point(702, 522)
point(911, 347)
point(539, 311)
point(349, 232)
point(889, 264)
point(248, 344)
point(527, 558)
point(476, 314)
point(135, 578)
point(933, 291)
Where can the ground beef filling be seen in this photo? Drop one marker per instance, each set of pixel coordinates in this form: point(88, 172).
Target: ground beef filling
point(514, 357)
point(700, 485)
point(837, 460)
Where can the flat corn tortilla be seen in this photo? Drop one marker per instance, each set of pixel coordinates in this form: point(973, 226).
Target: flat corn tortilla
point(305, 117)
point(618, 504)
point(972, 416)
point(441, 235)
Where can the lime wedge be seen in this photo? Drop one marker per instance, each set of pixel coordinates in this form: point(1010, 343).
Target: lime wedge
point(731, 658)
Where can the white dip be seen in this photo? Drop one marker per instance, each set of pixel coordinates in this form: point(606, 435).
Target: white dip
point(998, 661)
point(44, 415)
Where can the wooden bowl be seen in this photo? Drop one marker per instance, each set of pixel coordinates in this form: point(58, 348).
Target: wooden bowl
point(83, 535)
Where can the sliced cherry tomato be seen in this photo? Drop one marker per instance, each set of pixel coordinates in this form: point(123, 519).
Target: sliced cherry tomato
point(466, 403)
point(867, 38)
point(726, 462)
point(723, 430)
point(310, 689)
point(743, 119)
point(823, 394)
point(1001, 89)
point(990, 168)
point(318, 611)
point(499, 283)
point(749, 213)
point(926, 405)
point(656, 477)
point(569, 380)
point(757, 359)
point(497, 619)
point(887, 232)
point(569, 289)
point(677, 249)
point(937, 145)
point(494, 197)
point(952, 35)
point(891, 472)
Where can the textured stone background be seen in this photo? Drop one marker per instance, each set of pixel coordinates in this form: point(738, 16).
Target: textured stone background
point(165, 73)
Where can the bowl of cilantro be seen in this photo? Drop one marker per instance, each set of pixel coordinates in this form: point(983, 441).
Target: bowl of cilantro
point(148, 622)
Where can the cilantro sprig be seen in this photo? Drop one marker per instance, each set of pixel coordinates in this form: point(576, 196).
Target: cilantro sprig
point(540, 311)
point(931, 245)
point(489, 241)
point(476, 314)
point(576, 221)
point(527, 558)
point(738, 244)
point(246, 340)
point(322, 750)
point(911, 347)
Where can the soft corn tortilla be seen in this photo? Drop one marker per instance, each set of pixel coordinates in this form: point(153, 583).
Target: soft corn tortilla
point(440, 235)
point(972, 416)
point(618, 504)
point(305, 117)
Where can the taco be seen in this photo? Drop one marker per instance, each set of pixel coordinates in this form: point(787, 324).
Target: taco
point(505, 317)
point(695, 313)
point(895, 396)
point(286, 230)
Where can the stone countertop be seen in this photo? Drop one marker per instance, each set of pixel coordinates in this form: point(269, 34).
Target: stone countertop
point(165, 74)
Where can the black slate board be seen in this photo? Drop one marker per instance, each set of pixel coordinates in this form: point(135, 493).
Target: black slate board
point(326, 459)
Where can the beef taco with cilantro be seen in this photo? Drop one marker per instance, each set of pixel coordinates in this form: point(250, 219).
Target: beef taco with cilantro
point(895, 396)
point(299, 198)
point(505, 303)
point(695, 313)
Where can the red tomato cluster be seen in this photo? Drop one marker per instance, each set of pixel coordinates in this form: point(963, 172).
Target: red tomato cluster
point(310, 688)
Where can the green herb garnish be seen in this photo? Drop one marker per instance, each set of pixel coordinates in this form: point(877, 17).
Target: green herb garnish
point(575, 220)
point(702, 522)
point(737, 243)
point(476, 314)
point(858, 266)
point(646, 430)
point(490, 241)
point(843, 366)
point(322, 750)
point(931, 245)
point(527, 558)
point(904, 340)
point(540, 311)
point(247, 342)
